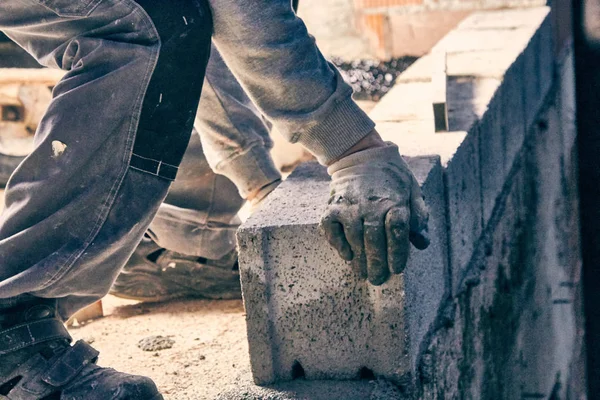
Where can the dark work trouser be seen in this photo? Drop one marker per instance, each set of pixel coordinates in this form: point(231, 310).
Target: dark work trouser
point(109, 145)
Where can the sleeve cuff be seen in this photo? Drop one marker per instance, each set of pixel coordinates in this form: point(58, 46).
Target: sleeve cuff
point(250, 170)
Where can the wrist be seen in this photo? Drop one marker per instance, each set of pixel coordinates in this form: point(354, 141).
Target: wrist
point(372, 140)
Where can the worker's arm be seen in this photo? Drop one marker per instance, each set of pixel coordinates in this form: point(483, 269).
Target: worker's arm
point(374, 197)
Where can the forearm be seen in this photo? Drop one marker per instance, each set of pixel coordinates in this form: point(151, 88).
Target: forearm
point(234, 136)
point(269, 50)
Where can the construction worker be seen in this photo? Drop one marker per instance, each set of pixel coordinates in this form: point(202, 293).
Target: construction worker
point(111, 142)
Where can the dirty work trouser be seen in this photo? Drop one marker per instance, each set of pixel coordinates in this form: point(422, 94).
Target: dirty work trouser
point(199, 215)
point(109, 145)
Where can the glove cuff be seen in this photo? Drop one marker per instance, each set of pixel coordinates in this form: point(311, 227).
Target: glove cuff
point(390, 153)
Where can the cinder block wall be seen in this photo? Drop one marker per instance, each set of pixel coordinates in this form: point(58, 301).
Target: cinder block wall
point(389, 28)
point(502, 318)
point(514, 325)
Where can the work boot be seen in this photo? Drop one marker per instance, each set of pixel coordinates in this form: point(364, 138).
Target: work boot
point(155, 274)
point(38, 363)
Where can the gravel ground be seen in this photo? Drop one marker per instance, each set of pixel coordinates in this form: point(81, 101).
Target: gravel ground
point(372, 79)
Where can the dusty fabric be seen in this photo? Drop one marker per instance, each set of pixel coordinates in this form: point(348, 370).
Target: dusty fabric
point(375, 203)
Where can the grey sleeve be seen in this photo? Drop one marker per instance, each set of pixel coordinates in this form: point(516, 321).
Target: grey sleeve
point(269, 50)
point(234, 136)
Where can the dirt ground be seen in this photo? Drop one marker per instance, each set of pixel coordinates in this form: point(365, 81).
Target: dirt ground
point(209, 350)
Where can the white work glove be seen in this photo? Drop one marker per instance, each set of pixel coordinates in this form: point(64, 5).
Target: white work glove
point(375, 208)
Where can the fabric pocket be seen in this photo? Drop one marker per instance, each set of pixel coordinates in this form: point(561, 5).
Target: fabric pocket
point(71, 8)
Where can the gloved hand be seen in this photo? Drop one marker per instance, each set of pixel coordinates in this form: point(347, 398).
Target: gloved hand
point(375, 208)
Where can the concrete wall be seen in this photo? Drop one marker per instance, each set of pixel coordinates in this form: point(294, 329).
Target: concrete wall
point(389, 28)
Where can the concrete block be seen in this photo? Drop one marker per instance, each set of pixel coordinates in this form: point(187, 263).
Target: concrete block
point(468, 99)
point(492, 155)
point(467, 40)
point(483, 63)
point(532, 88)
point(416, 34)
point(546, 62)
point(427, 276)
point(506, 19)
point(404, 102)
point(308, 314)
point(567, 101)
point(419, 71)
point(314, 390)
point(465, 214)
point(417, 138)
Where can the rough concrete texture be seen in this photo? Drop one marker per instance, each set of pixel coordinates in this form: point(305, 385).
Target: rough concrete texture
point(505, 19)
point(416, 33)
point(518, 322)
point(308, 314)
point(492, 155)
point(465, 214)
point(334, 25)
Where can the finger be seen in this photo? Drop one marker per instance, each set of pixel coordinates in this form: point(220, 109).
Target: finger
point(359, 265)
point(334, 232)
point(355, 235)
point(419, 218)
point(397, 232)
point(376, 252)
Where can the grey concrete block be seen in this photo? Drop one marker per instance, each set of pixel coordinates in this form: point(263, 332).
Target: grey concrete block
point(532, 88)
point(308, 313)
point(496, 39)
point(482, 63)
point(513, 110)
point(492, 155)
point(507, 19)
point(463, 179)
point(427, 276)
point(468, 98)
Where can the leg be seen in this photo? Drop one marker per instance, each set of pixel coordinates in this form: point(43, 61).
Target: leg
point(118, 125)
point(194, 230)
point(105, 153)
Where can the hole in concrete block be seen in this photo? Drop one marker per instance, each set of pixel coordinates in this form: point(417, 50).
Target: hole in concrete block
point(366, 373)
point(297, 371)
point(12, 113)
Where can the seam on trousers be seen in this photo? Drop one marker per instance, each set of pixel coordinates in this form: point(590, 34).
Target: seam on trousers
point(108, 203)
point(153, 167)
